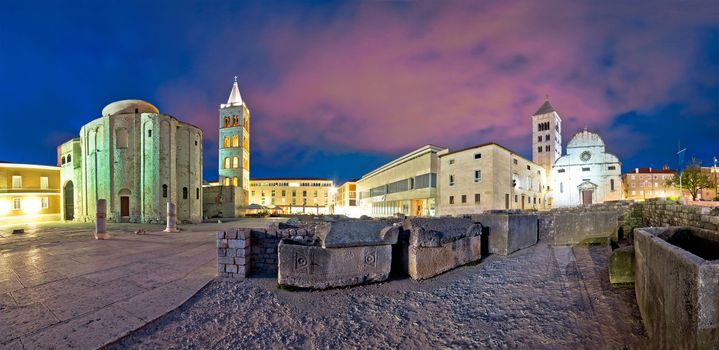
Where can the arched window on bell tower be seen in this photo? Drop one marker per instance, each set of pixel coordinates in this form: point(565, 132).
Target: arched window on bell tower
point(227, 163)
point(235, 141)
point(227, 121)
point(226, 142)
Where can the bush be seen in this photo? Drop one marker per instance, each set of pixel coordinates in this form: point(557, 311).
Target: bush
point(672, 198)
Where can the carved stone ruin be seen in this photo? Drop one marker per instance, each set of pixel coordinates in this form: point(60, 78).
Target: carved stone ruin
point(101, 220)
point(508, 232)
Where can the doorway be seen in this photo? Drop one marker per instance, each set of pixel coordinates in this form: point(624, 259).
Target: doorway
point(124, 206)
point(69, 195)
point(522, 202)
point(587, 197)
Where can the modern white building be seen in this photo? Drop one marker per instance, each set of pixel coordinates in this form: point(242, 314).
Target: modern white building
point(586, 174)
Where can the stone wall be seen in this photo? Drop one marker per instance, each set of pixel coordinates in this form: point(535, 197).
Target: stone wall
point(590, 223)
point(233, 253)
point(661, 212)
point(265, 242)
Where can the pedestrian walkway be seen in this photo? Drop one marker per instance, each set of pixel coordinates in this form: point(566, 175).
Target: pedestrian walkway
point(81, 293)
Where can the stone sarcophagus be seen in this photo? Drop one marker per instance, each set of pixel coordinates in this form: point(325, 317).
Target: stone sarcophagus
point(676, 281)
point(508, 232)
point(346, 254)
point(437, 245)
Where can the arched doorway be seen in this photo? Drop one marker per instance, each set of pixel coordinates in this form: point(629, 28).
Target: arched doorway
point(68, 192)
point(124, 195)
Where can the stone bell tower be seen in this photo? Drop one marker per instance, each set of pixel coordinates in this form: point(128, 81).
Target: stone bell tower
point(546, 136)
point(234, 142)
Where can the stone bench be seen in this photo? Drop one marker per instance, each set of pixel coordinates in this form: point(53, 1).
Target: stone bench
point(437, 245)
point(677, 286)
point(508, 232)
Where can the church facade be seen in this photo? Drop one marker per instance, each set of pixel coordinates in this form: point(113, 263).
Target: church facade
point(587, 174)
point(137, 159)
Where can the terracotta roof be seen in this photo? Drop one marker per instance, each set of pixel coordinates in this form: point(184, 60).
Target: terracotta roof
point(651, 171)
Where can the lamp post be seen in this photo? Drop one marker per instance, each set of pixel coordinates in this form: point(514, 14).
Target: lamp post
point(716, 185)
point(680, 154)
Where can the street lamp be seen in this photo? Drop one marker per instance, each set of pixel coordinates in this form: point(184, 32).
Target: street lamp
point(716, 185)
point(680, 154)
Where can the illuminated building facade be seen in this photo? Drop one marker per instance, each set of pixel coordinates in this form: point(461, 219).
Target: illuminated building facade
point(345, 200)
point(406, 185)
point(138, 160)
point(302, 195)
point(488, 177)
point(29, 193)
point(645, 183)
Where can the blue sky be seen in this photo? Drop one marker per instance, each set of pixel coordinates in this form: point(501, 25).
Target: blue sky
point(338, 88)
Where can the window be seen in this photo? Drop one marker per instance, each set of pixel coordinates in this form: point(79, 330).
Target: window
point(451, 199)
point(227, 162)
point(539, 149)
point(63, 160)
point(451, 180)
point(294, 193)
point(451, 161)
point(515, 198)
point(477, 175)
point(43, 182)
point(634, 193)
point(464, 198)
point(314, 193)
point(611, 184)
point(546, 137)
point(283, 193)
point(235, 181)
point(477, 198)
point(515, 180)
point(121, 138)
point(539, 138)
point(227, 181)
point(16, 203)
point(560, 170)
point(184, 193)
point(547, 148)
point(612, 167)
point(226, 142)
point(227, 121)
point(528, 167)
point(477, 155)
point(235, 162)
point(514, 161)
point(235, 141)
point(16, 181)
point(586, 169)
point(304, 193)
point(44, 203)
point(561, 187)
point(164, 191)
point(235, 120)
point(197, 193)
point(149, 133)
point(69, 158)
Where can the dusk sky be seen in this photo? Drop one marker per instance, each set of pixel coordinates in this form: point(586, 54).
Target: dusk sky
point(337, 89)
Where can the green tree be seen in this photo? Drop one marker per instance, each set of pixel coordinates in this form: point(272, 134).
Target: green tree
point(693, 179)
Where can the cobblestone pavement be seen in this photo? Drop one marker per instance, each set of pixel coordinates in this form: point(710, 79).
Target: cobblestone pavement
point(60, 288)
point(542, 297)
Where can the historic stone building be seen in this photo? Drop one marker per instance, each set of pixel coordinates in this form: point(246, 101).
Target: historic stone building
point(645, 183)
point(488, 177)
point(136, 158)
point(546, 136)
point(229, 196)
point(29, 193)
point(586, 174)
point(292, 195)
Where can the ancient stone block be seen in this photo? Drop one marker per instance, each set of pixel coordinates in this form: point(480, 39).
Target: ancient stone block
point(508, 232)
point(231, 268)
point(225, 260)
point(621, 265)
point(353, 233)
point(426, 262)
point(586, 227)
point(309, 266)
point(676, 274)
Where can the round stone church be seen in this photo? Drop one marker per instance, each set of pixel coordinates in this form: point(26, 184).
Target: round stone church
point(136, 158)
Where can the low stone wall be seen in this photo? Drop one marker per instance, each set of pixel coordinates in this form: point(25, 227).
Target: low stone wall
point(233, 253)
point(660, 212)
point(676, 286)
point(266, 241)
point(508, 233)
point(593, 224)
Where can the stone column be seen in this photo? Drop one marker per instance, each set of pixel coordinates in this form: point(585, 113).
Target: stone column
point(171, 218)
point(101, 219)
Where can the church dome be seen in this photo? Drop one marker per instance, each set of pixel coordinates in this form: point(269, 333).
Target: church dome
point(128, 107)
point(585, 138)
